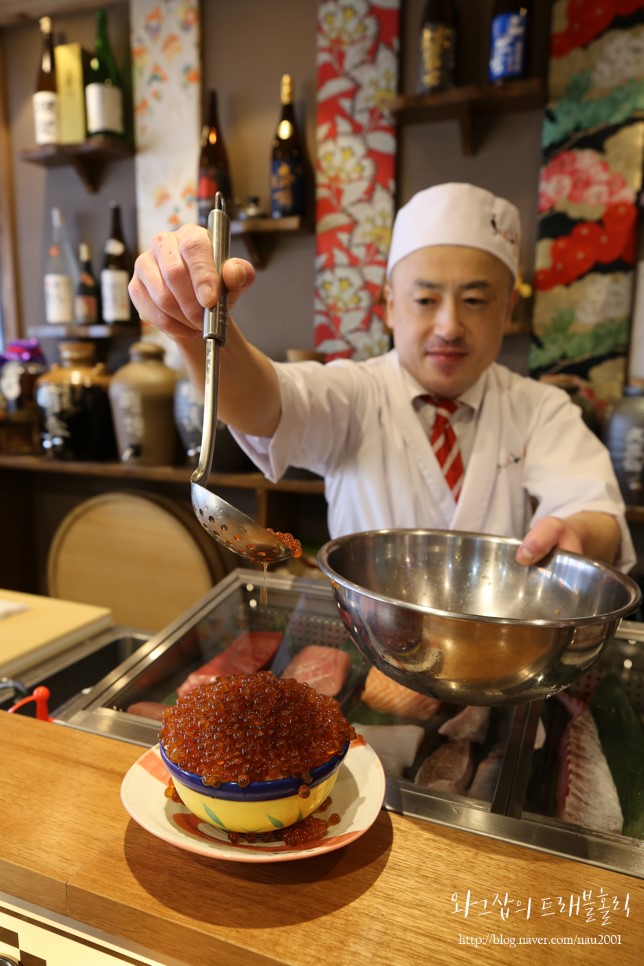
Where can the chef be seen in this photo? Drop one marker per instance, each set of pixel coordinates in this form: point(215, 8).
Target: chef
point(433, 434)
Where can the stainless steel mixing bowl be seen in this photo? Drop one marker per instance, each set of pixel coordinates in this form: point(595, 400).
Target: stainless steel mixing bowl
point(452, 615)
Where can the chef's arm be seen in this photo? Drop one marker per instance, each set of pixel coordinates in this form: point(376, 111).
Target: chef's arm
point(173, 281)
point(596, 535)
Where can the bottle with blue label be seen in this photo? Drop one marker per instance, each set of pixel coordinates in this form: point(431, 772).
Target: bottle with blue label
point(508, 48)
point(287, 187)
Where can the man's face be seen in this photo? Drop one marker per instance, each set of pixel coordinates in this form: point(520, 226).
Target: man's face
point(447, 307)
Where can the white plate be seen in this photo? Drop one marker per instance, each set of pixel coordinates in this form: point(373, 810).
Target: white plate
point(357, 797)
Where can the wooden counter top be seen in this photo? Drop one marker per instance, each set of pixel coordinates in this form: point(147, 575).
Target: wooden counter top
point(68, 845)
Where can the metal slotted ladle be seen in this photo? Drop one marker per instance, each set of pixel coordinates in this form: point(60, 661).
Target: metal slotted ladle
point(224, 522)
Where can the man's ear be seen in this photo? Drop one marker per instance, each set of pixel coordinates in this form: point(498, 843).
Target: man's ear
point(387, 296)
point(512, 302)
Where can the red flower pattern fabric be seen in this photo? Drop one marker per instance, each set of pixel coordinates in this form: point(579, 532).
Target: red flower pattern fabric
point(357, 65)
point(586, 20)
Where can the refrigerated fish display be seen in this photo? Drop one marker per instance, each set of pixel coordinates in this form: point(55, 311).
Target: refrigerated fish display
point(563, 776)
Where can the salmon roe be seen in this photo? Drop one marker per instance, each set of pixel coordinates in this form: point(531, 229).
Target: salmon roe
point(310, 829)
point(289, 541)
point(253, 727)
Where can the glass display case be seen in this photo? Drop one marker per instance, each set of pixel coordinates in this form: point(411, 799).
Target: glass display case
point(521, 748)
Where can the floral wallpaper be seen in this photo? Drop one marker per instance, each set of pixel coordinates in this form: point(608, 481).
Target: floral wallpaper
point(164, 42)
point(357, 64)
point(591, 175)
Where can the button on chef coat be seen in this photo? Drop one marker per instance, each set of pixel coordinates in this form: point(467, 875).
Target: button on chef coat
point(354, 423)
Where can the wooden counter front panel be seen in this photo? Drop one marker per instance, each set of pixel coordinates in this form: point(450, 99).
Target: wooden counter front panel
point(386, 899)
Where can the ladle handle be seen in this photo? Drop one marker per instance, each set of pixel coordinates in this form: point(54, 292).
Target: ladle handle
point(215, 323)
point(215, 320)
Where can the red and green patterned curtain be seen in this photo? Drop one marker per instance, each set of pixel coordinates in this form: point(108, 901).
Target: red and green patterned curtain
point(357, 63)
point(591, 176)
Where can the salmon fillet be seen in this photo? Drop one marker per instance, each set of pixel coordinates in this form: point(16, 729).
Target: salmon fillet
point(586, 792)
point(323, 668)
point(382, 693)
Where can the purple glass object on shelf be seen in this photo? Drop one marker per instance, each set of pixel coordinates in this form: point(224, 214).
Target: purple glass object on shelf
point(20, 365)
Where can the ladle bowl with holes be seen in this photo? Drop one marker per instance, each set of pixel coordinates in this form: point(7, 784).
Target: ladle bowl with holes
point(452, 615)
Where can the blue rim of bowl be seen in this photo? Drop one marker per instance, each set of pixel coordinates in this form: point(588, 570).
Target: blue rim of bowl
point(256, 791)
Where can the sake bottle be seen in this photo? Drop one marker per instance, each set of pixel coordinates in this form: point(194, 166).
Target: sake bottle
point(86, 295)
point(287, 188)
point(508, 35)
point(214, 168)
point(104, 89)
point(116, 273)
point(61, 274)
point(437, 46)
point(45, 98)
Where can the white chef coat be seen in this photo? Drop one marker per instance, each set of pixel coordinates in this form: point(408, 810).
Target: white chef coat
point(354, 423)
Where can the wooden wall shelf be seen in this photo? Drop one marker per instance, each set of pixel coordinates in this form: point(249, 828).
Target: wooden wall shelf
point(160, 474)
point(87, 158)
point(251, 229)
point(51, 331)
point(465, 104)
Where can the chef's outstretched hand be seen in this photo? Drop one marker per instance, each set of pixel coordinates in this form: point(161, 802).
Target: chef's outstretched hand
point(175, 280)
point(548, 533)
point(591, 532)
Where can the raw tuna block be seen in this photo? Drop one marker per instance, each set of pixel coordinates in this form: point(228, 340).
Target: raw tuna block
point(251, 651)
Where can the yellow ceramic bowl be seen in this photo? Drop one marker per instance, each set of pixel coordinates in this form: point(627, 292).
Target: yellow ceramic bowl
point(259, 807)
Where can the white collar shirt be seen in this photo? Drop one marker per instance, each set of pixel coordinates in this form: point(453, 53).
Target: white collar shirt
point(463, 420)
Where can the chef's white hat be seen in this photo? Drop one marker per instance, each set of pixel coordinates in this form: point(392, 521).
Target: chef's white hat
point(457, 214)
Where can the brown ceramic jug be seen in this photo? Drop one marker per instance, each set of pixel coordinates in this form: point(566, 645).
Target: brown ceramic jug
point(74, 407)
point(142, 399)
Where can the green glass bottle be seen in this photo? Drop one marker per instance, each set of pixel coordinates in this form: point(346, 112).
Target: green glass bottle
point(104, 89)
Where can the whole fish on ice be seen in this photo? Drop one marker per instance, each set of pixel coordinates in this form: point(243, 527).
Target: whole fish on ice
point(586, 792)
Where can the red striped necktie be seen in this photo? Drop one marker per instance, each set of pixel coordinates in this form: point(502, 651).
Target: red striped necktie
point(445, 445)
